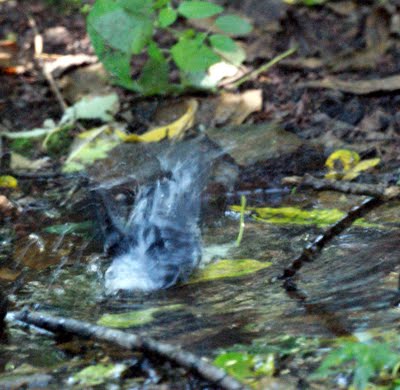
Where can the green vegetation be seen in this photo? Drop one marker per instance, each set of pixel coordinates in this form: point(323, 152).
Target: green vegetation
point(251, 364)
point(22, 146)
point(364, 362)
point(122, 29)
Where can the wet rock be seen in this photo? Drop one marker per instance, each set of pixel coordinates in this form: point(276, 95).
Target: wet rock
point(265, 153)
point(269, 173)
point(35, 381)
point(250, 144)
point(127, 162)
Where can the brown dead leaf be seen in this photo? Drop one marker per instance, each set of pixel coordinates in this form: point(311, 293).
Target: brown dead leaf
point(8, 274)
point(63, 63)
point(377, 39)
point(8, 53)
point(8, 58)
point(233, 109)
point(85, 80)
point(357, 87)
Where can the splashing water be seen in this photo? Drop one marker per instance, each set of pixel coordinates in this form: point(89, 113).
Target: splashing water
point(160, 242)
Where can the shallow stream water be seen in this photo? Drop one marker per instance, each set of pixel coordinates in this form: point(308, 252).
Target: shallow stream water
point(351, 287)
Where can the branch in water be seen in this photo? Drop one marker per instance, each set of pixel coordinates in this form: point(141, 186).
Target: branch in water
point(377, 191)
point(129, 341)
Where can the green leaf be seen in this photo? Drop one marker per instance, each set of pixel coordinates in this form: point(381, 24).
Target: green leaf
point(234, 25)
point(154, 78)
point(311, 3)
point(166, 17)
point(228, 48)
point(223, 43)
point(161, 3)
point(92, 107)
point(142, 34)
point(199, 9)
point(143, 7)
point(190, 55)
point(116, 61)
point(119, 29)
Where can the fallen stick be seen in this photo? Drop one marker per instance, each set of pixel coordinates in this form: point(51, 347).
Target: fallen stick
point(129, 341)
point(377, 191)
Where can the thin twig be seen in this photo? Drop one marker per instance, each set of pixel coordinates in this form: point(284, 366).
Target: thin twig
point(263, 68)
point(129, 341)
point(38, 47)
point(38, 55)
point(377, 191)
point(315, 247)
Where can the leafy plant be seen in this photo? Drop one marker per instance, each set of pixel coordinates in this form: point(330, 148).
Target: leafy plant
point(121, 29)
point(364, 362)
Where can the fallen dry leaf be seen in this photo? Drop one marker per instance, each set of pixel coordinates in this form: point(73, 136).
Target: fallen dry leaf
point(8, 53)
point(172, 130)
point(358, 87)
point(233, 109)
point(377, 37)
point(8, 182)
point(63, 63)
point(23, 163)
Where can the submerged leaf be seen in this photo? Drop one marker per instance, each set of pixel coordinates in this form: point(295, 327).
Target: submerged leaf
point(98, 374)
point(134, 318)
point(229, 269)
point(296, 216)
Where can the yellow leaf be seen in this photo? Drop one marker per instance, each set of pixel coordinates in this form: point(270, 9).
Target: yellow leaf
point(340, 162)
point(8, 182)
point(343, 160)
point(172, 130)
point(226, 268)
point(362, 166)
